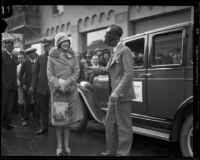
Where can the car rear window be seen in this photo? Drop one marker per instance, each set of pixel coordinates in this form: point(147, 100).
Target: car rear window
point(167, 48)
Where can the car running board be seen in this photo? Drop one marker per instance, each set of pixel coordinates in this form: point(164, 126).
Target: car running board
point(147, 132)
point(150, 133)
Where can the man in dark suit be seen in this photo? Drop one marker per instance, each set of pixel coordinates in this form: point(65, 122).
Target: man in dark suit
point(40, 83)
point(8, 84)
point(25, 77)
point(118, 120)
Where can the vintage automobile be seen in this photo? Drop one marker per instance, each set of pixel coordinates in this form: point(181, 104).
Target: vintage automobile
point(163, 82)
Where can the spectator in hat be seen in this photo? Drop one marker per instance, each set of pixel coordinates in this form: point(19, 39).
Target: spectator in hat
point(40, 83)
point(106, 57)
point(15, 106)
point(99, 53)
point(102, 60)
point(9, 83)
point(82, 63)
point(20, 98)
point(25, 76)
point(89, 57)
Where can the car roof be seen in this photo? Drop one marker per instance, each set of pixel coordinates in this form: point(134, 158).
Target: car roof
point(160, 29)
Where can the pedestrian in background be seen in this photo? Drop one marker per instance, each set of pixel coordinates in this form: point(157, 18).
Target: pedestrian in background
point(82, 64)
point(21, 60)
point(89, 57)
point(8, 84)
point(118, 122)
point(25, 76)
point(106, 57)
point(40, 83)
point(99, 53)
point(63, 73)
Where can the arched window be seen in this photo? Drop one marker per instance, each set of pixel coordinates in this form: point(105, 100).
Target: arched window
point(57, 29)
point(47, 32)
point(52, 30)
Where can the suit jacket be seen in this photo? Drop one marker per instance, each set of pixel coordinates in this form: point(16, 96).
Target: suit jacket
point(26, 74)
point(40, 81)
point(9, 71)
point(120, 71)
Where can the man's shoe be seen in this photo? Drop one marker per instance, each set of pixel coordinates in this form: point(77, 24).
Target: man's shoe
point(107, 154)
point(41, 131)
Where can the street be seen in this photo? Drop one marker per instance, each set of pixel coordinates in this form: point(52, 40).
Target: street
point(22, 141)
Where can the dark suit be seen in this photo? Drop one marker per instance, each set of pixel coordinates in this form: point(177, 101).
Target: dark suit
point(25, 77)
point(9, 86)
point(40, 83)
point(118, 119)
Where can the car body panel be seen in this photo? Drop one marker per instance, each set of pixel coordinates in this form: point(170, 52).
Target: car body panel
point(166, 90)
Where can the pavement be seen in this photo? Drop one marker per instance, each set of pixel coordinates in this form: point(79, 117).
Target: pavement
point(22, 141)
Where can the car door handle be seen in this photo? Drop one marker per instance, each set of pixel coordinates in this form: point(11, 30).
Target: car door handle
point(148, 75)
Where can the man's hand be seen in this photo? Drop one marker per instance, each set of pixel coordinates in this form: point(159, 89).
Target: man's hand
point(24, 87)
point(30, 91)
point(113, 98)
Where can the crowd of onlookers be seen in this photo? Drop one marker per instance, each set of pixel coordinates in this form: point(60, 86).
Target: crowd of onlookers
point(40, 84)
point(95, 58)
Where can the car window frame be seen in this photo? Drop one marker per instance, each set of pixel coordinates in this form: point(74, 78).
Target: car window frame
point(151, 48)
point(145, 49)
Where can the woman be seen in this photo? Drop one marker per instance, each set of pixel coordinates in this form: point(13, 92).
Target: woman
point(63, 73)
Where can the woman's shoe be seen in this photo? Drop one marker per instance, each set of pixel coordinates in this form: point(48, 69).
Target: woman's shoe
point(68, 150)
point(59, 151)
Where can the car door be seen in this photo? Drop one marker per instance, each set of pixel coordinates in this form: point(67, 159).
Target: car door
point(165, 73)
point(138, 46)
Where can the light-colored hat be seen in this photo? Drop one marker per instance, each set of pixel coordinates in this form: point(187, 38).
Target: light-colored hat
point(7, 40)
point(60, 37)
point(46, 40)
point(29, 50)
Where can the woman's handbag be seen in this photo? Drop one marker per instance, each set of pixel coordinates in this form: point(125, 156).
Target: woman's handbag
point(60, 113)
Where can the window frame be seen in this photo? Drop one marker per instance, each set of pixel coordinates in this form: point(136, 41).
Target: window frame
point(151, 48)
point(145, 49)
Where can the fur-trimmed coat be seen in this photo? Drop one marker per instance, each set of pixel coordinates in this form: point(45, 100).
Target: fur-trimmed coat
point(65, 67)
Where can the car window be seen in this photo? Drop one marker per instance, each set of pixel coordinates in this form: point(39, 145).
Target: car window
point(137, 48)
point(167, 48)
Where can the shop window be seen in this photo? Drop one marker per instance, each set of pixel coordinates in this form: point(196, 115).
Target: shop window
point(57, 9)
point(137, 48)
point(167, 48)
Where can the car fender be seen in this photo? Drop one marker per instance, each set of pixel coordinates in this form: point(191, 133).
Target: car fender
point(96, 112)
point(179, 117)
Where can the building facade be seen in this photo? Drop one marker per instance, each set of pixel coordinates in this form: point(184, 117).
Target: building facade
point(77, 21)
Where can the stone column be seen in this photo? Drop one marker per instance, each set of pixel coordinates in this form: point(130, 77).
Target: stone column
point(122, 20)
point(79, 40)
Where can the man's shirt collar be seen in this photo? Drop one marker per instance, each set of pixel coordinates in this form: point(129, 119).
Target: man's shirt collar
point(96, 66)
point(32, 60)
point(116, 47)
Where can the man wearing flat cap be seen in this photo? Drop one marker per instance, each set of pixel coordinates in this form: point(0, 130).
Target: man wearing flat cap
point(40, 83)
point(9, 83)
point(25, 77)
point(118, 122)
